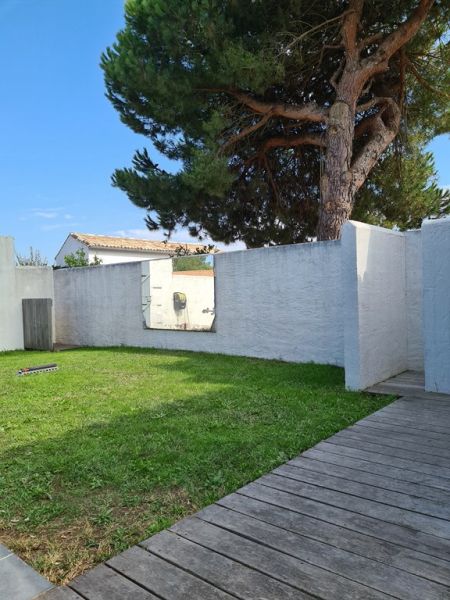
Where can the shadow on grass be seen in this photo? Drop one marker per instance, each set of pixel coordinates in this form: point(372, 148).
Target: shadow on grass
point(214, 368)
point(195, 427)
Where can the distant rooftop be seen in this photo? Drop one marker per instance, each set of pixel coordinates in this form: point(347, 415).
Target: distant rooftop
point(196, 273)
point(123, 243)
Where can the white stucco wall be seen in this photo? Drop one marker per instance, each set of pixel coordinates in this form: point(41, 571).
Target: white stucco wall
point(70, 246)
point(436, 304)
point(414, 305)
point(199, 290)
point(17, 283)
point(283, 302)
point(10, 332)
point(374, 280)
point(110, 257)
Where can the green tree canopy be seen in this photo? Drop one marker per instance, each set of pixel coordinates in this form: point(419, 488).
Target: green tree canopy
point(79, 258)
point(195, 262)
point(277, 109)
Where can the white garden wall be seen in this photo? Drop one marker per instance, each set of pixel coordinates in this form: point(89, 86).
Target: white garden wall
point(17, 283)
point(414, 303)
point(283, 302)
point(376, 336)
point(10, 337)
point(436, 307)
point(376, 302)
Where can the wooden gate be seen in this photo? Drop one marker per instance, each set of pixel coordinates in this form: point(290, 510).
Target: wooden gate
point(37, 323)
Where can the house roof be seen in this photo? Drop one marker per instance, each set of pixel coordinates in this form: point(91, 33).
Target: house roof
point(129, 244)
point(196, 273)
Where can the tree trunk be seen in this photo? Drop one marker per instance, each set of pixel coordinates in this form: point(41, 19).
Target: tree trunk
point(336, 200)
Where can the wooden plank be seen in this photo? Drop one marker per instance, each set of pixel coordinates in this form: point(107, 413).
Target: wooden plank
point(37, 323)
point(163, 578)
point(417, 378)
point(385, 459)
point(379, 550)
point(426, 417)
point(410, 373)
point(282, 566)
point(423, 395)
point(60, 593)
point(413, 416)
point(430, 419)
point(439, 424)
point(399, 434)
point(238, 579)
point(439, 464)
point(412, 424)
point(426, 399)
point(379, 390)
point(429, 395)
point(431, 402)
point(413, 378)
point(386, 389)
point(403, 388)
point(422, 452)
point(439, 439)
point(103, 583)
point(393, 389)
point(426, 482)
point(397, 534)
point(423, 506)
point(378, 480)
point(364, 506)
point(431, 416)
point(351, 565)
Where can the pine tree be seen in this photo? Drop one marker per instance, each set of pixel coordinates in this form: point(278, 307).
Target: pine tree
point(277, 110)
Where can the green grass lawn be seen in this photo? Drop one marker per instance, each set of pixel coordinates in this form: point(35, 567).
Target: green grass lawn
point(120, 443)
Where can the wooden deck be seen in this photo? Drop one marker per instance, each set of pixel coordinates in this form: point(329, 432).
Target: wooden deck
point(363, 515)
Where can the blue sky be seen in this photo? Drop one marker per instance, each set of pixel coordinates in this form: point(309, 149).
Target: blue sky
point(60, 139)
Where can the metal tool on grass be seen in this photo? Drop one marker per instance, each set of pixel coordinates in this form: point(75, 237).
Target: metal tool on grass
point(36, 370)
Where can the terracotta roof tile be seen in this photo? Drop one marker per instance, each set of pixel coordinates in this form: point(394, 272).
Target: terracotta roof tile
point(196, 273)
point(122, 243)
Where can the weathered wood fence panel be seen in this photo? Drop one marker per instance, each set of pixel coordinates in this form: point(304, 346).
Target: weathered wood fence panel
point(37, 323)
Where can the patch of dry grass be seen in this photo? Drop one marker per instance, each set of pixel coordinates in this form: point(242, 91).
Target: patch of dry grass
point(62, 550)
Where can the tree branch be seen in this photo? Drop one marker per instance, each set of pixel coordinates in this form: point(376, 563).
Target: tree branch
point(328, 47)
point(350, 28)
point(302, 139)
point(411, 67)
point(246, 131)
point(307, 112)
point(368, 124)
point(316, 28)
point(372, 103)
point(383, 134)
point(379, 60)
point(370, 39)
point(337, 74)
point(272, 181)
